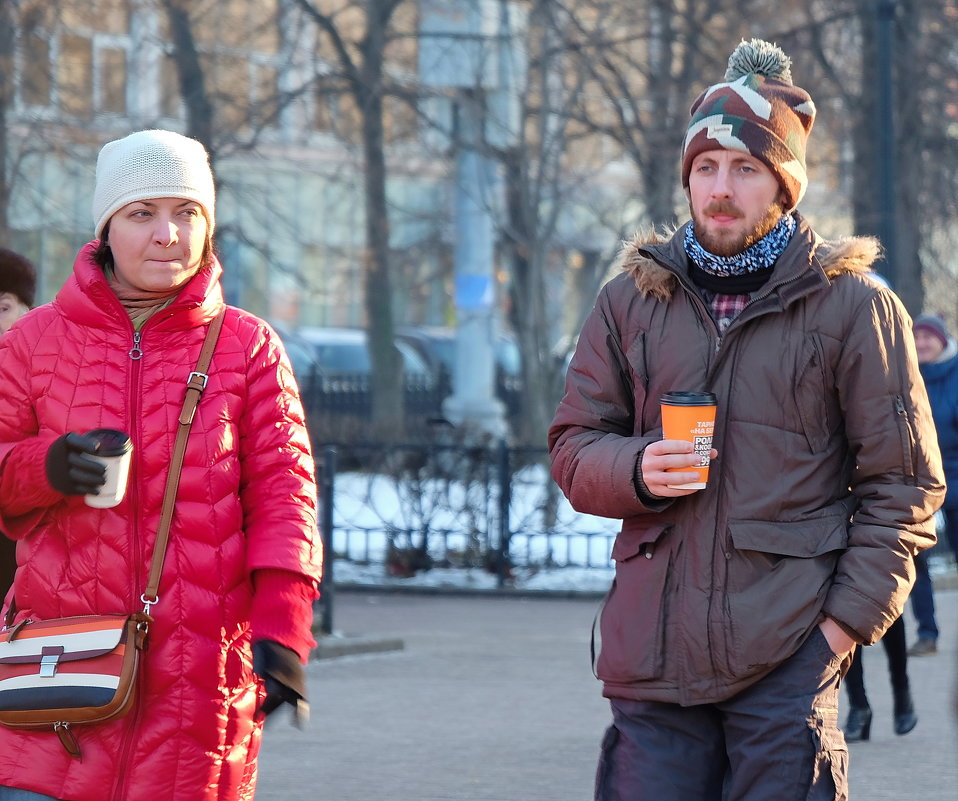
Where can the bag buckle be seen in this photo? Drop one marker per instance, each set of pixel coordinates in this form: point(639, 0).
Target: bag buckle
point(49, 658)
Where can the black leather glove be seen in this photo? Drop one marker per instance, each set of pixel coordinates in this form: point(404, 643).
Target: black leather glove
point(284, 677)
point(70, 469)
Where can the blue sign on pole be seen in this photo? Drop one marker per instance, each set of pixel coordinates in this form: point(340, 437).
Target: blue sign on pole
point(474, 292)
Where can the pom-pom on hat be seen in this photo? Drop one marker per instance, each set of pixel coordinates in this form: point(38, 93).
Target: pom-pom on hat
point(934, 325)
point(151, 164)
point(756, 110)
point(18, 276)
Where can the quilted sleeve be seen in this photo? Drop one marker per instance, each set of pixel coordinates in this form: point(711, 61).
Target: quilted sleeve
point(278, 486)
point(25, 492)
point(594, 455)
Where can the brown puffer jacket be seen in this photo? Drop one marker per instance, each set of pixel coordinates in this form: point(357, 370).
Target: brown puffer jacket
point(827, 478)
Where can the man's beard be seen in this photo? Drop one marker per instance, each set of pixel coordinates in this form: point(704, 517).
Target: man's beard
point(729, 244)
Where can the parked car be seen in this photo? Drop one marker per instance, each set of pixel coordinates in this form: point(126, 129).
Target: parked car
point(342, 355)
point(437, 345)
point(302, 355)
point(340, 379)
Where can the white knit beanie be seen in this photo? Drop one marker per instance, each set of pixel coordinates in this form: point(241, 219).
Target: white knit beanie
point(151, 164)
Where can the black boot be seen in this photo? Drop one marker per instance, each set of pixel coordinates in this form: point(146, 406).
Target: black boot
point(858, 727)
point(905, 717)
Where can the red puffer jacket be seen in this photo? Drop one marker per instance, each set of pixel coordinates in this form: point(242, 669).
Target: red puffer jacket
point(246, 501)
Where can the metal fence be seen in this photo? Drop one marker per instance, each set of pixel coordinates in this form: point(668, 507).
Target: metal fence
point(349, 394)
point(412, 507)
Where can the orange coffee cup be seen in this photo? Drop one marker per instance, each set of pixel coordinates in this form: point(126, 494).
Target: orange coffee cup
point(690, 416)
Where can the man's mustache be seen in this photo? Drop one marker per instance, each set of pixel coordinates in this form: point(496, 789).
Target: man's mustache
point(722, 207)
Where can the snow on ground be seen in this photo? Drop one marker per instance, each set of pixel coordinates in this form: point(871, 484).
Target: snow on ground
point(365, 507)
point(558, 579)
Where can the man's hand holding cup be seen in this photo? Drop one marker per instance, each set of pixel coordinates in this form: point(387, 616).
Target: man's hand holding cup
point(662, 464)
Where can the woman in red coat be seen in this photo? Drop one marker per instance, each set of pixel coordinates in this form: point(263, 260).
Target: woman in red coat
point(233, 620)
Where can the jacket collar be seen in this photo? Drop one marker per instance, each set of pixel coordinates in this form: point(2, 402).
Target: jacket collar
point(657, 262)
point(87, 298)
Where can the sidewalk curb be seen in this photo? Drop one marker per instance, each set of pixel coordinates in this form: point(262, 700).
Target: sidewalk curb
point(330, 646)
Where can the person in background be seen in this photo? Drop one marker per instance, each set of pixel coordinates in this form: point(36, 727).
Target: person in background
point(735, 608)
point(115, 349)
point(938, 362)
point(18, 288)
point(857, 727)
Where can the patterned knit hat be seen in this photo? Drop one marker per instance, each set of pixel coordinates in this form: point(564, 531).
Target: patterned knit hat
point(151, 164)
point(757, 111)
point(17, 276)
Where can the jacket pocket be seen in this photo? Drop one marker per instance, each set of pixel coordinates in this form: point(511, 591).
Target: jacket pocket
point(631, 624)
point(810, 396)
point(777, 577)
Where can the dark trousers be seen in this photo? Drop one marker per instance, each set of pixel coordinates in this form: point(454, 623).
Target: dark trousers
point(779, 739)
point(922, 594)
point(897, 653)
point(923, 600)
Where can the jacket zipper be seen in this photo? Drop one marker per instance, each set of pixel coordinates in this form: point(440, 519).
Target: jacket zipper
point(721, 544)
point(904, 429)
point(136, 355)
point(720, 539)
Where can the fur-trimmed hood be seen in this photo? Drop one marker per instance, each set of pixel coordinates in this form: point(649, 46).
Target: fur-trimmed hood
point(850, 254)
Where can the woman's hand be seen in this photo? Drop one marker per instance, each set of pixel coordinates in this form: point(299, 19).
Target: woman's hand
point(71, 468)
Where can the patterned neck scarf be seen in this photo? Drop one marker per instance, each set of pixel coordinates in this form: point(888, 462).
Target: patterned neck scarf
point(760, 256)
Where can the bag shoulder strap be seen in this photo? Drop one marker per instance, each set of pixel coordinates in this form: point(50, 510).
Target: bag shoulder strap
point(194, 391)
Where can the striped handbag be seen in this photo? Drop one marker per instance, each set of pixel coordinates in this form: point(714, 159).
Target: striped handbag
point(70, 671)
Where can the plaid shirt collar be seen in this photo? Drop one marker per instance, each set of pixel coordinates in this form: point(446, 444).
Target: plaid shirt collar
point(725, 308)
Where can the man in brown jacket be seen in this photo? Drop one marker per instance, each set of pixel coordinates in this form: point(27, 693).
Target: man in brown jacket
point(736, 607)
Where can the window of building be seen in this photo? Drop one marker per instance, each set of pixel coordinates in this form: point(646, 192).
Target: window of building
point(336, 112)
point(111, 71)
point(170, 98)
point(75, 75)
point(35, 79)
point(105, 16)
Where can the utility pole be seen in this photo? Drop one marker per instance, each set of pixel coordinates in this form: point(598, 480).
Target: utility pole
point(463, 51)
point(473, 401)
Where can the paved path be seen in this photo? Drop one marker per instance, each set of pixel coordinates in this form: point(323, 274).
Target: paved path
point(492, 699)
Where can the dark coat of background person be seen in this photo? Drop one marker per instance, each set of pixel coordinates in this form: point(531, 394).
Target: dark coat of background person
point(18, 287)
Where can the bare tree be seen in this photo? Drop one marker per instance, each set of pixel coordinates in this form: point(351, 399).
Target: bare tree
point(360, 62)
point(891, 68)
point(191, 75)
